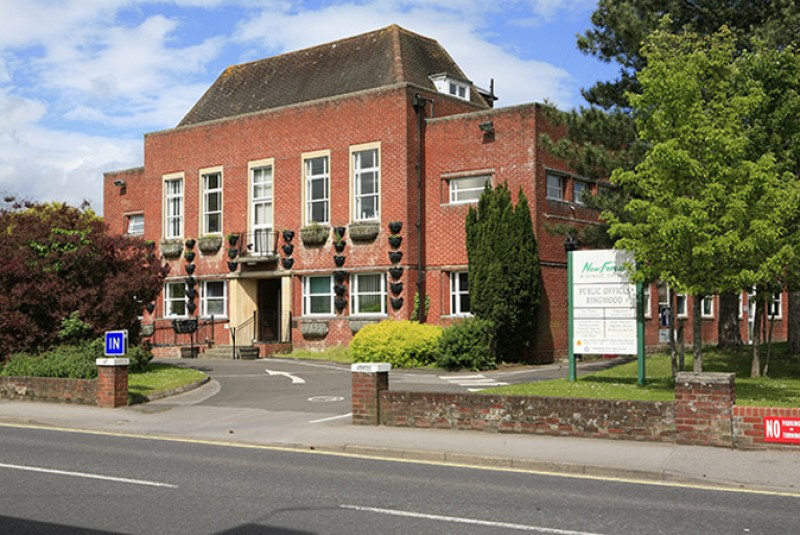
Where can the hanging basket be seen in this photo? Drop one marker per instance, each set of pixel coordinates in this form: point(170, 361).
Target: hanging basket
point(395, 227)
point(397, 302)
point(288, 235)
point(339, 260)
point(396, 287)
point(340, 303)
point(189, 268)
point(395, 257)
point(339, 289)
point(287, 263)
point(190, 243)
point(395, 241)
point(396, 272)
point(339, 246)
point(288, 249)
point(232, 266)
point(339, 231)
point(338, 276)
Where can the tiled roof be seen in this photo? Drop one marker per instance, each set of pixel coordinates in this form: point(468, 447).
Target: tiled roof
point(377, 59)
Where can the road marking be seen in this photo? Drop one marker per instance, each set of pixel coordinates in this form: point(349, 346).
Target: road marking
point(473, 383)
point(295, 380)
point(311, 365)
point(348, 415)
point(301, 449)
point(325, 399)
point(87, 476)
point(460, 520)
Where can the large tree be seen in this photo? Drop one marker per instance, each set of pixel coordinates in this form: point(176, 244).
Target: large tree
point(57, 260)
point(504, 270)
point(711, 210)
point(618, 30)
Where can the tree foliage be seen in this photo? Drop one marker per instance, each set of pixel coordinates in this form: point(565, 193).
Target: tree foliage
point(711, 210)
point(504, 270)
point(59, 269)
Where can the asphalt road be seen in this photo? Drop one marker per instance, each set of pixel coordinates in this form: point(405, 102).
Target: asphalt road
point(324, 388)
point(57, 482)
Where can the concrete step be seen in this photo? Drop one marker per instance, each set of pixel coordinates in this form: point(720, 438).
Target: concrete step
point(217, 352)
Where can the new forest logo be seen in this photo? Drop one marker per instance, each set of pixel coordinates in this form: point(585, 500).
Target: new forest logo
point(606, 267)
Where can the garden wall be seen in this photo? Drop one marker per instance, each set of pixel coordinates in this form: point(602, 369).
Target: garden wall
point(81, 391)
point(703, 413)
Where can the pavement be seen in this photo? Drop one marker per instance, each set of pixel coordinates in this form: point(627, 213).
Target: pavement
point(184, 417)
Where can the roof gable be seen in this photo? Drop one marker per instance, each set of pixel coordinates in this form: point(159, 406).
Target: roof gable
point(381, 58)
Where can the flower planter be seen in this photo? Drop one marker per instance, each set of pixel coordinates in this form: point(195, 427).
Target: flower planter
point(395, 257)
point(339, 231)
point(190, 281)
point(232, 266)
point(190, 243)
point(340, 303)
point(171, 248)
point(397, 302)
point(191, 293)
point(233, 253)
point(395, 227)
point(189, 268)
point(189, 352)
point(209, 244)
point(314, 329)
point(339, 260)
point(396, 287)
point(395, 241)
point(189, 256)
point(287, 249)
point(191, 307)
point(362, 232)
point(248, 353)
point(339, 289)
point(338, 276)
point(287, 263)
point(150, 307)
point(339, 246)
point(396, 272)
point(288, 235)
point(314, 235)
point(233, 239)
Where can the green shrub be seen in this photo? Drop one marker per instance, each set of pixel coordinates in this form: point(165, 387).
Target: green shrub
point(140, 357)
point(73, 361)
point(403, 344)
point(467, 344)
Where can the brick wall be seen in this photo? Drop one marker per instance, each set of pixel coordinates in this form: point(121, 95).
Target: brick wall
point(592, 418)
point(81, 391)
point(748, 425)
point(704, 407)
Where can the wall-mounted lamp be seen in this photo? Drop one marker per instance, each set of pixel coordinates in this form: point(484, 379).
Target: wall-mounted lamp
point(487, 127)
point(119, 183)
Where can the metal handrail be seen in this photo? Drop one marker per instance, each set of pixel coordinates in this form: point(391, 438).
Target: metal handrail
point(250, 322)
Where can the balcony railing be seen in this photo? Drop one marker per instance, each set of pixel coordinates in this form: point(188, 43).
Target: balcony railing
point(260, 243)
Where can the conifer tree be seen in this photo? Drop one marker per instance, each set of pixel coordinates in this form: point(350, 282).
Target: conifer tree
point(504, 270)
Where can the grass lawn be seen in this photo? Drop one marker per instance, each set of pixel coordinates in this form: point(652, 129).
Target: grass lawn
point(333, 354)
point(160, 378)
point(780, 389)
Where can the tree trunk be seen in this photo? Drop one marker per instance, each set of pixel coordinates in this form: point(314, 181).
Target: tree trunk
point(697, 334)
point(793, 323)
point(728, 334)
point(755, 367)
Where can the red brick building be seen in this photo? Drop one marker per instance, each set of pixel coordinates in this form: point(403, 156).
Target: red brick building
point(369, 150)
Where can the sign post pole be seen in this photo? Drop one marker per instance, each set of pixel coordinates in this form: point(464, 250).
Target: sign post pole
point(640, 344)
point(573, 372)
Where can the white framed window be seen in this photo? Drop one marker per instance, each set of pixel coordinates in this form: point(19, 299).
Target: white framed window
point(447, 84)
point(368, 294)
point(468, 189)
point(135, 225)
point(261, 208)
point(366, 184)
point(173, 207)
point(707, 307)
point(647, 298)
point(459, 294)
point(318, 296)
point(174, 300)
point(774, 308)
point(317, 189)
point(555, 187)
point(212, 202)
point(681, 306)
point(458, 90)
point(214, 299)
point(579, 189)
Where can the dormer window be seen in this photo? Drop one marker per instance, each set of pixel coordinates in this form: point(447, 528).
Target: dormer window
point(452, 86)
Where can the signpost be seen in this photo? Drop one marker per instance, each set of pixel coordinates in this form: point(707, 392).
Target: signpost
point(116, 343)
point(605, 308)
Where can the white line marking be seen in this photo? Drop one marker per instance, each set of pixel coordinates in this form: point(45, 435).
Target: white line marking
point(459, 520)
point(458, 378)
point(87, 476)
point(295, 380)
point(299, 363)
point(348, 415)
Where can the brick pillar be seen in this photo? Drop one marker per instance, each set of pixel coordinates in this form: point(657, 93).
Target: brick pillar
point(704, 408)
point(369, 380)
point(112, 383)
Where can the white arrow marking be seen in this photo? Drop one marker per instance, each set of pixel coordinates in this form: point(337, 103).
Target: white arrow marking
point(295, 380)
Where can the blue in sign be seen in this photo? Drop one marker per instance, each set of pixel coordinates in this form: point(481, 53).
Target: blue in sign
point(116, 343)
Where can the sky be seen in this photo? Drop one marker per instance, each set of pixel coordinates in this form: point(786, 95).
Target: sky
point(82, 81)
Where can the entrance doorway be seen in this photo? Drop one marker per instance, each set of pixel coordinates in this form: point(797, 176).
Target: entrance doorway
point(269, 310)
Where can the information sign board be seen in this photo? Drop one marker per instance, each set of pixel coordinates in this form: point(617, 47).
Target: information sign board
point(781, 429)
point(116, 343)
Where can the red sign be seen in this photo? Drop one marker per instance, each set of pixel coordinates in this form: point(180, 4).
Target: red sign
point(785, 430)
